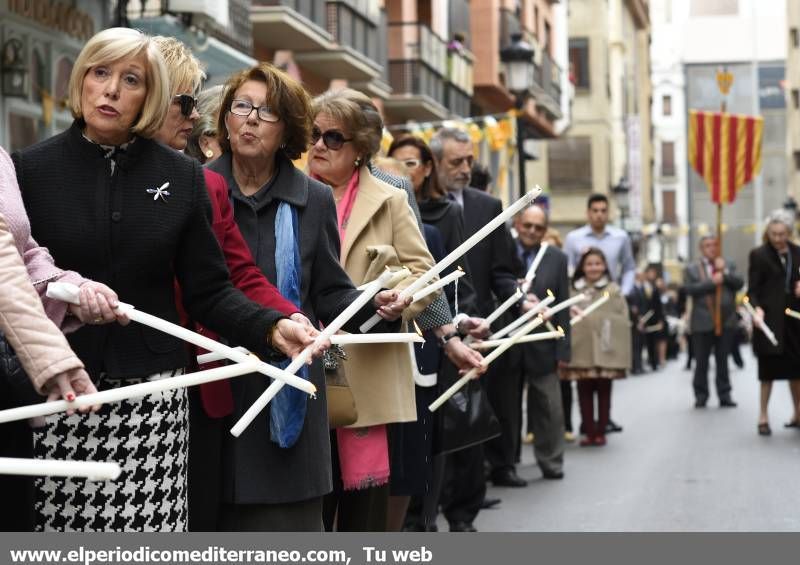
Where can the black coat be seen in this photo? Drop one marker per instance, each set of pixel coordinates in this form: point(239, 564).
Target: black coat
point(256, 470)
point(493, 261)
point(766, 280)
point(108, 228)
point(541, 358)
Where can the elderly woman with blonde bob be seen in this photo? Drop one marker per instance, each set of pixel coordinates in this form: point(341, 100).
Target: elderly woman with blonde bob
point(377, 229)
point(116, 206)
point(277, 471)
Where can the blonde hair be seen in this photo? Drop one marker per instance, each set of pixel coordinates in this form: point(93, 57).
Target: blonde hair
point(183, 68)
point(115, 44)
point(392, 166)
point(357, 114)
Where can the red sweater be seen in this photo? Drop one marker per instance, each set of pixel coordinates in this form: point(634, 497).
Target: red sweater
point(245, 275)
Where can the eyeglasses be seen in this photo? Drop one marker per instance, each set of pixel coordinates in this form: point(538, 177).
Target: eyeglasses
point(245, 108)
point(332, 138)
point(412, 163)
point(187, 103)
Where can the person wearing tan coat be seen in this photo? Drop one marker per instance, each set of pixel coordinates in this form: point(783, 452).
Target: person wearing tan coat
point(377, 229)
point(601, 345)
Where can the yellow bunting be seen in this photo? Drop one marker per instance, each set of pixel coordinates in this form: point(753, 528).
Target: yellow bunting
point(301, 162)
point(386, 140)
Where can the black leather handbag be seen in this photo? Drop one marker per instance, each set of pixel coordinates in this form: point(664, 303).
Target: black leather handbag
point(17, 388)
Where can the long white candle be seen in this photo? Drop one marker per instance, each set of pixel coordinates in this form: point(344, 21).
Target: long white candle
point(92, 470)
point(592, 307)
point(472, 373)
point(499, 311)
point(647, 315)
point(355, 339)
point(454, 255)
point(543, 336)
point(130, 391)
point(69, 293)
point(524, 318)
point(531, 274)
point(340, 320)
point(792, 313)
point(759, 322)
point(441, 283)
point(397, 277)
point(565, 304)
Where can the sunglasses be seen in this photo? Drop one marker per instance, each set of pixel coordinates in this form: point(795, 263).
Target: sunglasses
point(187, 103)
point(535, 227)
point(412, 163)
point(332, 138)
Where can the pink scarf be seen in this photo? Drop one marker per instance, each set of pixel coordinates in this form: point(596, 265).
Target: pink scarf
point(363, 452)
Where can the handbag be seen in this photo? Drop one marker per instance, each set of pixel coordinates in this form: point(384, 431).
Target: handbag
point(14, 381)
point(341, 403)
point(467, 418)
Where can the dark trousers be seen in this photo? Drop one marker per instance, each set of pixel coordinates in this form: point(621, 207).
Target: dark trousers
point(651, 340)
point(205, 466)
point(362, 510)
point(423, 510)
point(16, 492)
point(566, 404)
point(464, 485)
point(546, 415)
point(637, 344)
point(301, 516)
point(586, 393)
point(703, 343)
point(504, 390)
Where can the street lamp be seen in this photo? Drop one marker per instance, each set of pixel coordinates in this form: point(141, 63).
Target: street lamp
point(517, 58)
point(621, 190)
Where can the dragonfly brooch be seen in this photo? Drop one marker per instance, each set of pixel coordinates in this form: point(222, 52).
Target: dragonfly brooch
point(160, 192)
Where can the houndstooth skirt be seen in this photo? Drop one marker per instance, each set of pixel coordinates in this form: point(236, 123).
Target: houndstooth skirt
point(148, 437)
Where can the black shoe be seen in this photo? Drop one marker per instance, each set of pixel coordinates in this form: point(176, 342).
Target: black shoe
point(764, 430)
point(552, 475)
point(489, 503)
point(612, 427)
point(700, 403)
point(462, 527)
point(727, 403)
point(507, 478)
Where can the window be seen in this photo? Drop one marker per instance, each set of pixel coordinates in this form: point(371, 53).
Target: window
point(715, 7)
point(794, 37)
point(666, 105)
point(579, 62)
point(667, 159)
point(668, 213)
point(796, 156)
point(569, 161)
point(796, 98)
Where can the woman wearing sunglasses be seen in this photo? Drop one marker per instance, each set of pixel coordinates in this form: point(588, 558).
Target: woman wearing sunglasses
point(278, 470)
point(377, 229)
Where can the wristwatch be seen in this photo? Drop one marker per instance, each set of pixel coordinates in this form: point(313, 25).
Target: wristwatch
point(447, 337)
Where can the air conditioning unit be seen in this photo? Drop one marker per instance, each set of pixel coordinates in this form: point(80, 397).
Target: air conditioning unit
point(216, 10)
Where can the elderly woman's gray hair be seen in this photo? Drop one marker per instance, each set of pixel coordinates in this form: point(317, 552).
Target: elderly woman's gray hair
point(781, 216)
point(357, 114)
point(208, 102)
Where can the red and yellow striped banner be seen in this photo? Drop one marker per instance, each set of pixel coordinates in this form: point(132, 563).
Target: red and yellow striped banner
point(725, 149)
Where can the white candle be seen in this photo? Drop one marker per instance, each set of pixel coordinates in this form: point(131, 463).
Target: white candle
point(454, 255)
point(441, 283)
point(524, 318)
point(130, 391)
point(352, 309)
point(397, 277)
point(565, 304)
point(792, 313)
point(355, 339)
point(647, 315)
point(211, 357)
point(531, 274)
point(543, 336)
point(594, 306)
point(472, 373)
point(759, 322)
point(69, 293)
point(92, 470)
point(499, 311)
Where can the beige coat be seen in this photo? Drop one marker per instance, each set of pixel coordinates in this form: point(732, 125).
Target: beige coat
point(603, 338)
point(41, 347)
point(382, 231)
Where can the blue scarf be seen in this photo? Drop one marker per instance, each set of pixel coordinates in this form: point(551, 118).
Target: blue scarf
point(288, 408)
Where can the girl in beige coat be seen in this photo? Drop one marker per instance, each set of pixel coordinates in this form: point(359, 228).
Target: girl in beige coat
point(601, 348)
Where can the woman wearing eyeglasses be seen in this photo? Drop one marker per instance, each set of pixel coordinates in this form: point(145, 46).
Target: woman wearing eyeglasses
point(377, 229)
point(111, 203)
point(278, 470)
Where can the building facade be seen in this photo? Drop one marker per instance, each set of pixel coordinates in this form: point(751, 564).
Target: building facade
point(793, 99)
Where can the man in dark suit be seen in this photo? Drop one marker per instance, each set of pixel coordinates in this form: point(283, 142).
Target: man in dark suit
point(492, 267)
point(637, 306)
point(701, 280)
point(541, 360)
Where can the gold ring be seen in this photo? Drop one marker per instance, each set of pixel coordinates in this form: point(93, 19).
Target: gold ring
point(98, 320)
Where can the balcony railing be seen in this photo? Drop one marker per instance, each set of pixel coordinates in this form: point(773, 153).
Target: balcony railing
point(313, 10)
point(415, 41)
point(551, 77)
point(457, 101)
point(417, 78)
point(355, 24)
point(459, 71)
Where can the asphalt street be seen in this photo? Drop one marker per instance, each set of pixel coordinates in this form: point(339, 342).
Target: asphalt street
point(673, 468)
